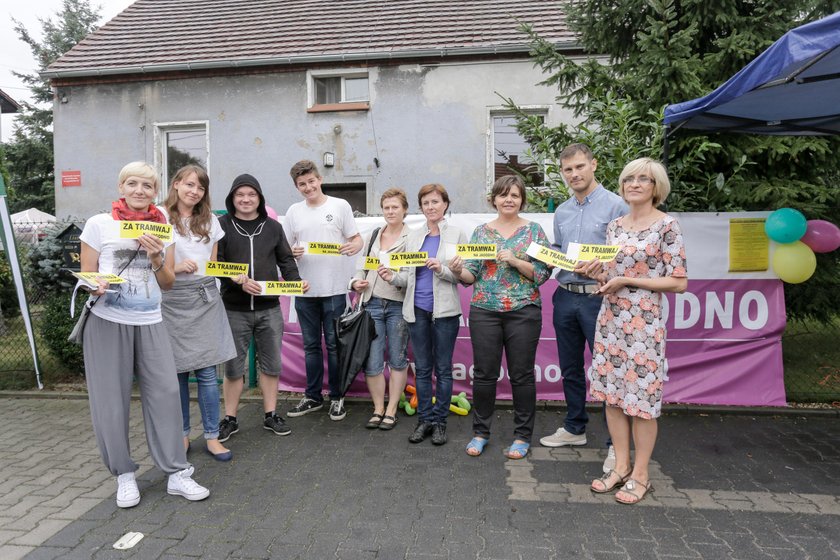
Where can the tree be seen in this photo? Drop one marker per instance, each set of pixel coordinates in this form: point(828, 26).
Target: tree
point(663, 51)
point(29, 155)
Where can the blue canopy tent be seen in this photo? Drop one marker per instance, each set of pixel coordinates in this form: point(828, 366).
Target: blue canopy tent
point(792, 88)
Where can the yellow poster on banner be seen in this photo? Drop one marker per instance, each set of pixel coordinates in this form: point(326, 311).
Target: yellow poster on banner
point(484, 251)
point(550, 256)
point(318, 248)
point(749, 247)
point(133, 230)
point(225, 269)
point(604, 253)
point(91, 279)
point(281, 288)
point(397, 260)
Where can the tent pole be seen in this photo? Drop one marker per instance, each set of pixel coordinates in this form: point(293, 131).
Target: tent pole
point(666, 146)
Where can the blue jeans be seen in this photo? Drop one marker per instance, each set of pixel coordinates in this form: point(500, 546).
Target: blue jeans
point(388, 318)
point(433, 341)
point(575, 318)
point(208, 400)
point(317, 315)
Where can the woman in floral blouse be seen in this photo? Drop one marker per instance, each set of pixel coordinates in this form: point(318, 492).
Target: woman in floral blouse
point(505, 313)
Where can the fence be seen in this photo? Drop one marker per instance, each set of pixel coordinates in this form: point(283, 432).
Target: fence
point(811, 377)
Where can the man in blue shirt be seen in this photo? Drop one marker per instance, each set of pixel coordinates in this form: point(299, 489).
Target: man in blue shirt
point(583, 218)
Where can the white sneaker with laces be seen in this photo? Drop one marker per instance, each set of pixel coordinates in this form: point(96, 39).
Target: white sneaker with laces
point(182, 484)
point(562, 438)
point(128, 495)
point(337, 410)
point(609, 462)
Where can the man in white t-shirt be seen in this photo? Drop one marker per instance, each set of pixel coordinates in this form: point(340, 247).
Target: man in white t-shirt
point(320, 219)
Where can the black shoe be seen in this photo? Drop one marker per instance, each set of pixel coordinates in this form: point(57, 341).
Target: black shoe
point(422, 430)
point(337, 410)
point(227, 428)
point(305, 406)
point(439, 434)
point(277, 425)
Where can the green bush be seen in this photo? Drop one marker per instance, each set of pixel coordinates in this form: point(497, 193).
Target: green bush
point(56, 325)
point(9, 305)
point(46, 264)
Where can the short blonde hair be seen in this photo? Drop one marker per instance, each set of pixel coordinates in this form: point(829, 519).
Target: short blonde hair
point(140, 169)
point(651, 168)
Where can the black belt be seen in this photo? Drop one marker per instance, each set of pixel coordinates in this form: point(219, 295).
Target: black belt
point(580, 288)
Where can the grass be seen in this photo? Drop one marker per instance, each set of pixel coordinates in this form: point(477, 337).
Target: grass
point(811, 357)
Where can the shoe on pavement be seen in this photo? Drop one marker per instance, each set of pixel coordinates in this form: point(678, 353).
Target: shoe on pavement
point(305, 406)
point(128, 495)
point(439, 434)
point(609, 462)
point(337, 410)
point(562, 438)
point(182, 484)
point(277, 425)
point(421, 432)
point(227, 428)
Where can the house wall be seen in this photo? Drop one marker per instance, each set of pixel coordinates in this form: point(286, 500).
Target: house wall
point(425, 124)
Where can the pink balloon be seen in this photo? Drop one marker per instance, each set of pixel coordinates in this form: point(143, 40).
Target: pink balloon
point(271, 212)
point(821, 236)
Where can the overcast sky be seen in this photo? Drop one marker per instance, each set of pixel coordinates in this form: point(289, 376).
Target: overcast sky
point(15, 54)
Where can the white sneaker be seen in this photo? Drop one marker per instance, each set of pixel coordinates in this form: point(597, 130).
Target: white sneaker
point(562, 438)
point(128, 495)
point(182, 484)
point(609, 462)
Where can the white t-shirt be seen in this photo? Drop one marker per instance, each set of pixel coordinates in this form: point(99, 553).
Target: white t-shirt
point(192, 247)
point(331, 222)
point(137, 300)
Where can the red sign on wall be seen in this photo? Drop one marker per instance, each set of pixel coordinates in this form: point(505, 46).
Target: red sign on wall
point(71, 178)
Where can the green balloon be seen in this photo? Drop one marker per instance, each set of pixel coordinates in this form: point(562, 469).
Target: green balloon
point(785, 225)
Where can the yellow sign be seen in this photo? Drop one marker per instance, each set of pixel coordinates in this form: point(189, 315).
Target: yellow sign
point(225, 269)
point(91, 279)
point(318, 248)
point(133, 230)
point(749, 247)
point(485, 251)
point(371, 263)
point(583, 252)
point(552, 257)
point(281, 288)
point(397, 260)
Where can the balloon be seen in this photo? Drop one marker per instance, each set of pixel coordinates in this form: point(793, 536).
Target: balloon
point(785, 225)
point(272, 213)
point(794, 262)
point(821, 236)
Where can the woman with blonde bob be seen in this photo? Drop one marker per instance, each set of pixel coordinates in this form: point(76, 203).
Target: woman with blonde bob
point(384, 302)
point(629, 364)
point(192, 310)
point(125, 337)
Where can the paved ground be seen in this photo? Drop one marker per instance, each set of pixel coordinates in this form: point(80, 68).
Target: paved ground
point(726, 487)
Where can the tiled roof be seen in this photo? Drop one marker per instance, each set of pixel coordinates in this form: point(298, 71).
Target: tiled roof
point(7, 104)
point(156, 35)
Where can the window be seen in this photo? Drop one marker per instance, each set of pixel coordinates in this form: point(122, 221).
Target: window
point(510, 150)
point(178, 144)
point(339, 90)
point(354, 193)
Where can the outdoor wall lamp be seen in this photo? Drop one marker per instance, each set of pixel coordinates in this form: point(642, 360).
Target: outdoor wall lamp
point(329, 159)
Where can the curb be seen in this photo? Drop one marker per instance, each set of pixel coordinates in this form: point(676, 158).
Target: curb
point(669, 409)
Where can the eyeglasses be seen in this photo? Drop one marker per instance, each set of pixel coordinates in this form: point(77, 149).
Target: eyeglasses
point(643, 180)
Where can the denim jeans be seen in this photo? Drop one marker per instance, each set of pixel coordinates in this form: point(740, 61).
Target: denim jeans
point(388, 318)
point(317, 315)
point(433, 341)
point(208, 400)
point(575, 317)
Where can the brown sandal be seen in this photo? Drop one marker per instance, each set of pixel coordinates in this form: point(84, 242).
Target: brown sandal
point(375, 421)
point(605, 481)
point(630, 488)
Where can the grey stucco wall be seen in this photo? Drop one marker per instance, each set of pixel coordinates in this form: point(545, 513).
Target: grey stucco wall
point(426, 124)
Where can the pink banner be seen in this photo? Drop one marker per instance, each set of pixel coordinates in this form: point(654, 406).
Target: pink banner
point(724, 347)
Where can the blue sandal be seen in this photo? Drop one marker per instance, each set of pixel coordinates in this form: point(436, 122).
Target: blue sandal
point(521, 450)
point(476, 444)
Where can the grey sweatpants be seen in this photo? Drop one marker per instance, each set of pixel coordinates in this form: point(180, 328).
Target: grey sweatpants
point(114, 354)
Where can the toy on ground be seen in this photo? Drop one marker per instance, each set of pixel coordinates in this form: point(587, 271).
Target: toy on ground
point(406, 406)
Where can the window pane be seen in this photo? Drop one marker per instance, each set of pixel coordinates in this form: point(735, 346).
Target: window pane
point(509, 151)
point(356, 89)
point(184, 147)
point(354, 193)
point(327, 90)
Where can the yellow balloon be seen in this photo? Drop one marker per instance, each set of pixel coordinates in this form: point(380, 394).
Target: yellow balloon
point(794, 262)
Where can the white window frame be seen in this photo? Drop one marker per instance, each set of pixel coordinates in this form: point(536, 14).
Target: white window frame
point(500, 111)
point(161, 129)
point(343, 73)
